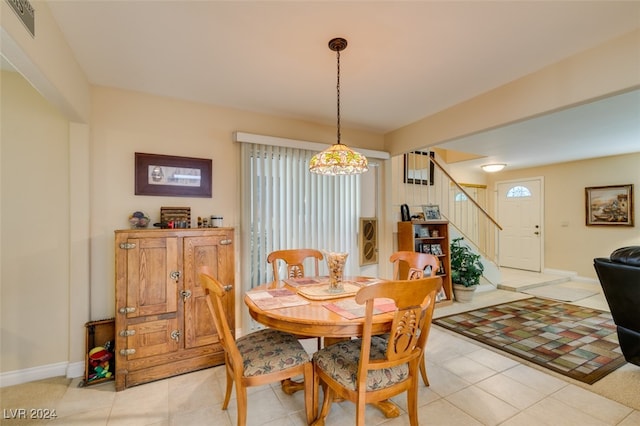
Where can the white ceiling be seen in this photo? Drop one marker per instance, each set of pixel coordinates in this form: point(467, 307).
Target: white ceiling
point(405, 61)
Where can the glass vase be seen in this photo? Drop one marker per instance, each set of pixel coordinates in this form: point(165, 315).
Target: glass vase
point(335, 263)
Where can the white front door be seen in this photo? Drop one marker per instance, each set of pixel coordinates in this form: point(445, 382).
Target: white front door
point(519, 209)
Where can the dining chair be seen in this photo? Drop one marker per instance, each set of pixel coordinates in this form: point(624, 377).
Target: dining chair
point(415, 264)
point(293, 259)
point(372, 369)
point(264, 356)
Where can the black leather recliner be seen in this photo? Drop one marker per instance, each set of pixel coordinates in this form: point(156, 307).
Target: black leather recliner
point(620, 279)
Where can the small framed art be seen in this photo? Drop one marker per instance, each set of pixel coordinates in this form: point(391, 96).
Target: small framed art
point(609, 205)
point(431, 212)
point(172, 176)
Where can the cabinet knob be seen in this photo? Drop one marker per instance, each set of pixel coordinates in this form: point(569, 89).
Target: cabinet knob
point(185, 295)
point(227, 288)
point(175, 275)
point(175, 335)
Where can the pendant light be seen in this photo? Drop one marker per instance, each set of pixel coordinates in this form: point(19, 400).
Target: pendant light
point(338, 159)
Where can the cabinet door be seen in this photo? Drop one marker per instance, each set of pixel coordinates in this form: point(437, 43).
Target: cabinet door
point(216, 252)
point(152, 276)
point(153, 337)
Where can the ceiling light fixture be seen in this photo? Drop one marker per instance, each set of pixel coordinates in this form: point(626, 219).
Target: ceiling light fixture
point(491, 168)
point(338, 159)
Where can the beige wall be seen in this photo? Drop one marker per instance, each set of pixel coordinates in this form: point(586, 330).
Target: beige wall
point(598, 72)
point(35, 228)
point(124, 122)
point(573, 247)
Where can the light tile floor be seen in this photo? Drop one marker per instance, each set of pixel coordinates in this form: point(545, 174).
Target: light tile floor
point(470, 385)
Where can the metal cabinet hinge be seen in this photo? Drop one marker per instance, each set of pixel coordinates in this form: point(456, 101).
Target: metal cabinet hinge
point(227, 287)
point(127, 333)
point(127, 310)
point(226, 242)
point(127, 246)
point(126, 352)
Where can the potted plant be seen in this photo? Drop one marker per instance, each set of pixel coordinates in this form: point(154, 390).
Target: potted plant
point(466, 270)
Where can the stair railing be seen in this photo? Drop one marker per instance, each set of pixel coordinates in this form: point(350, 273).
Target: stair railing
point(456, 205)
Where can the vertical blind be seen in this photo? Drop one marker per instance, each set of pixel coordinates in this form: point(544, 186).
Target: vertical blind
point(285, 207)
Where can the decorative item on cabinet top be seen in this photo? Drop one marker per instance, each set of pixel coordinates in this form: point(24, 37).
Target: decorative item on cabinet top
point(138, 220)
point(175, 217)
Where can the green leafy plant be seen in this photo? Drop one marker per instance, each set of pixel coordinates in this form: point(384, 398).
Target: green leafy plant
point(466, 268)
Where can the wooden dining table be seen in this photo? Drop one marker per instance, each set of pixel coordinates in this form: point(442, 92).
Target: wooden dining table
point(314, 319)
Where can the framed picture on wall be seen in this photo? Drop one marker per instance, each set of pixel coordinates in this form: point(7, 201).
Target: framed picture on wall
point(609, 205)
point(167, 175)
point(418, 168)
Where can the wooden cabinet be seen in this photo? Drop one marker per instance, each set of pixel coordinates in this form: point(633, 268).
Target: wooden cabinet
point(163, 326)
point(429, 237)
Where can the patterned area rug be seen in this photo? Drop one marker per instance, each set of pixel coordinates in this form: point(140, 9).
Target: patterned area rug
point(577, 342)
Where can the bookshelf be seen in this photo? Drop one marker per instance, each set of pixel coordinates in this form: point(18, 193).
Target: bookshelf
point(429, 236)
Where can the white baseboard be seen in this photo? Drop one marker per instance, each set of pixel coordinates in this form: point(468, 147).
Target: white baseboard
point(17, 377)
point(75, 369)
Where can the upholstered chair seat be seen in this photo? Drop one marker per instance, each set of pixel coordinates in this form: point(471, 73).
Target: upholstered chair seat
point(267, 351)
point(341, 359)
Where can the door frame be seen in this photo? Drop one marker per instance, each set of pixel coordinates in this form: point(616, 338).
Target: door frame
point(496, 201)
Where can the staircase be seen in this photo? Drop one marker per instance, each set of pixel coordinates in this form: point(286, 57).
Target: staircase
point(467, 217)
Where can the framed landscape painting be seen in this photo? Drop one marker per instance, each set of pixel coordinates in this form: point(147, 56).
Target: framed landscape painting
point(167, 175)
point(609, 205)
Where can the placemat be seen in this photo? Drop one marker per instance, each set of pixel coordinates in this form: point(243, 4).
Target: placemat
point(276, 299)
point(350, 309)
point(321, 291)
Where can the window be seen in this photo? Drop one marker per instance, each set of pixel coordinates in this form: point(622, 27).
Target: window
point(518, 192)
point(286, 206)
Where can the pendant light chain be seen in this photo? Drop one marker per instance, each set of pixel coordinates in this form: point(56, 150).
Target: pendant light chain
point(338, 91)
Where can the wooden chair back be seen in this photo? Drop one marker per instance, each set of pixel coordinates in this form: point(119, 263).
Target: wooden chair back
point(216, 292)
point(294, 261)
point(415, 301)
point(410, 263)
